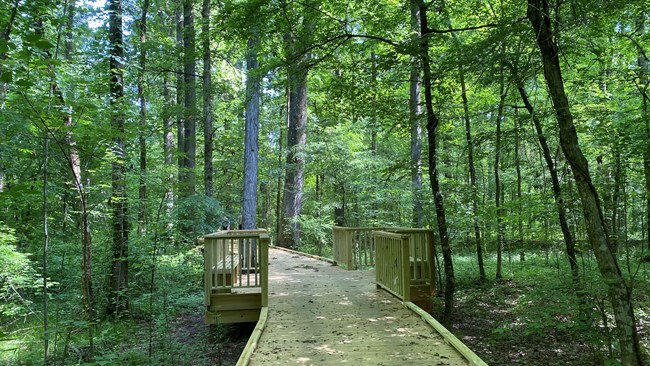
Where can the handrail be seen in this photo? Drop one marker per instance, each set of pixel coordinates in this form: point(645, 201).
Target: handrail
point(353, 247)
point(392, 268)
point(236, 259)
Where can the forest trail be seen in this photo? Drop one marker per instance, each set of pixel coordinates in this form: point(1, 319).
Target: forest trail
point(322, 314)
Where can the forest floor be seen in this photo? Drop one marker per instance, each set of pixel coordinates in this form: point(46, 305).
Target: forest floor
point(526, 320)
point(210, 345)
point(504, 325)
point(485, 319)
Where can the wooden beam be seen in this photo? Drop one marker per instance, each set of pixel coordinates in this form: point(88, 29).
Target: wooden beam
point(473, 359)
point(254, 338)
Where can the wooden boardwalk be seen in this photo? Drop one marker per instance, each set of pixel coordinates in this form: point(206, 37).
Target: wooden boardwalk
point(320, 314)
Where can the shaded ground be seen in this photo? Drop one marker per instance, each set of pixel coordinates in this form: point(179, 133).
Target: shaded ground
point(208, 345)
point(505, 325)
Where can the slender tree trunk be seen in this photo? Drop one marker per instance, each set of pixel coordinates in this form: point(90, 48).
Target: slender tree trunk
point(560, 205)
point(188, 181)
point(616, 197)
point(142, 143)
point(414, 118)
point(432, 125)
point(642, 61)
point(74, 163)
point(207, 101)
point(168, 140)
point(4, 36)
point(118, 301)
point(497, 183)
point(472, 175)
point(618, 291)
point(46, 244)
point(278, 197)
point(168, 125)
point(251, 145)
point(519, 205)
point(180, 118)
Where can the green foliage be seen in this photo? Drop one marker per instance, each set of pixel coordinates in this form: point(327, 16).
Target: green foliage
point(201, 214)
point(18, 278)
point(316, 236)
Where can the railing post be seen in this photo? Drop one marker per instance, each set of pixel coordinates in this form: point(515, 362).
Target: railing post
point(207, 270)
point(431, 259)
point(406, 269)
point(264, 265)
point(348, 249)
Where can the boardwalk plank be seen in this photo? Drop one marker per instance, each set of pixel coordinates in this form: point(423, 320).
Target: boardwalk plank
point(320, 314)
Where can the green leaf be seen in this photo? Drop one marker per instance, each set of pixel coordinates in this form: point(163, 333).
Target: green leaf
point(24, 83)
point(44, 44)
point(31, 38)
point(7, 76)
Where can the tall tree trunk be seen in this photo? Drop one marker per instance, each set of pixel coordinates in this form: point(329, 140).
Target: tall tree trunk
point(4, 36)
point(297, 71)
point(642, 61)
point(472, 175)
point(142, 142)
point(569, 241)
point(251, 145)
point(616, 198)
point(118, 301)
point(432, 125)
point(168, 125)
point(497, 182)
point(295, 164)
point(278, 197)
point(414, 119)
point(207, 101)
point(519, 204)
point(188, 173)
point(46, 245)
point(618, 291)
point(180, 118)
point(74, 163)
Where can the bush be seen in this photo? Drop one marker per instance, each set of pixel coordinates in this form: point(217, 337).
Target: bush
point(18, 278)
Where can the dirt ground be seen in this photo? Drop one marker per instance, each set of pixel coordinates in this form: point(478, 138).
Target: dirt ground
point(210, 345)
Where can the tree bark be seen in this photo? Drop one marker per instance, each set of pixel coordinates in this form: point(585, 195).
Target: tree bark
point(414, 119)
point(432, 125)
point(618, 291)
point(569, 241)
point(5, 36)
point(142, 142)
point(180, 118)
point(472, 175)
point(295, 164)
point(168, 123)
point(251, 134)
point(642, 61)
point(188, 173)
point(297, 71)
point(74, 163)
point(118, 301)
point(207, 101)
point(519, 204)
point(497, 182)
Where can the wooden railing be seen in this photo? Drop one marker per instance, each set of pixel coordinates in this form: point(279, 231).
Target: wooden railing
point(236, 260)
point(393, 267)
point(404, 262)
point(353, 247)
point(421, 254)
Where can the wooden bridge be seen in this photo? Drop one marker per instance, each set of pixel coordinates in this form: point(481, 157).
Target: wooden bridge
point(311, 311)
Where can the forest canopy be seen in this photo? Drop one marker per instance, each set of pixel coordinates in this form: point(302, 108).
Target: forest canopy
point(518, 130)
